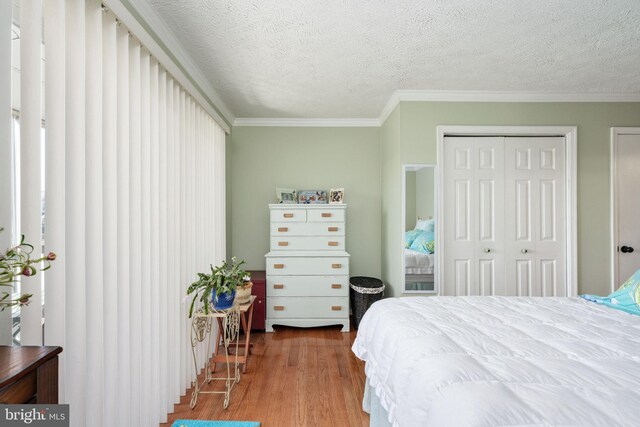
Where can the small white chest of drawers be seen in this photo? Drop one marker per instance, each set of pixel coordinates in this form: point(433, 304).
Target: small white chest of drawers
point(307, 267)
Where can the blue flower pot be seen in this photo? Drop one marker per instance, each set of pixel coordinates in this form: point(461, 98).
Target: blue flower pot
point(223, 301)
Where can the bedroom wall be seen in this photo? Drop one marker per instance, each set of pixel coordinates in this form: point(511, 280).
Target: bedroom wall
point(414, 133)
point(392, 238)
point(263, 158)
point(410, 198)
point(424, 193)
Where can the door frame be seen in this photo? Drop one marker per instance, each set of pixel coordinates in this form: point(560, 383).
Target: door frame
point(570, 133)
point(613, 198)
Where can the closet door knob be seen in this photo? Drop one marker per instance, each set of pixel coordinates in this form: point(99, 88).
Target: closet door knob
point(524, 251)
point(487, 250)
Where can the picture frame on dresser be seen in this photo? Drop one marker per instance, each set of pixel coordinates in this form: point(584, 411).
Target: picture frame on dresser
point(310, 197)
point(307, 267)
point(286, 196)
point(336, 196)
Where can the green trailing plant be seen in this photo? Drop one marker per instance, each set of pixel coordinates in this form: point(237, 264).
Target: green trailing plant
point(223, 279)
point(16, 262)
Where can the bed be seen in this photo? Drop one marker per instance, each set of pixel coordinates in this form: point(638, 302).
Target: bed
point(489, 361)
point(418, 270)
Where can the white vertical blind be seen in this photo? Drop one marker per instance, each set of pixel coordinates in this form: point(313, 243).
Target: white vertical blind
point(55, 154)
point(135, 236)
point(123, 259)
point(110, 263)
point(94, 282)
point(6, 170)
point(134, 169)
point(74, 262)
point(30, 157)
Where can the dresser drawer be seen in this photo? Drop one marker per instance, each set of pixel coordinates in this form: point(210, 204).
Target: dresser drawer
point(312, 243)
point(326, 215)
point(306, 229)
point(307, 307)
point(308, 286)
point(306, 266)
point(288, 215)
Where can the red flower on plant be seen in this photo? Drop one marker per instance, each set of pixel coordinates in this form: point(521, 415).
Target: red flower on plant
point(51, 256)
point(26, 271)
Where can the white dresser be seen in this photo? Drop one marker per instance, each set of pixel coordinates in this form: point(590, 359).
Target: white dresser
point(307, 268)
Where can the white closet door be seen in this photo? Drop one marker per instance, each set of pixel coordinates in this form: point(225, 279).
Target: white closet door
point(473, 196)
point(535, 235)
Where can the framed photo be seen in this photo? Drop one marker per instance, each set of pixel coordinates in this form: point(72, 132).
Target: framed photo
point(312, 197)
point(286, 196)
point(336, 196)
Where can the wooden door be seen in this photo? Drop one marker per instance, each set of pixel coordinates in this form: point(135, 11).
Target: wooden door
point(626, 259)
point(504, 223)
point(535, 213)
point(473, 197)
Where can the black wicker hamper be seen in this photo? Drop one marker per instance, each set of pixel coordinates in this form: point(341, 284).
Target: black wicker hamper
point(364, 292)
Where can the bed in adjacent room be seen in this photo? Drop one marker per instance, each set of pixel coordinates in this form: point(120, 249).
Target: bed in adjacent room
point(488, 361)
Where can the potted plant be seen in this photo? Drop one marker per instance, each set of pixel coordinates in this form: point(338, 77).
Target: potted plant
point(218, 287)
point(16, 262)
point(243, 293)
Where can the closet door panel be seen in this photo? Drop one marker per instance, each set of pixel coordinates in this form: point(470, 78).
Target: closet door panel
point(535, 216)
point(473, 243)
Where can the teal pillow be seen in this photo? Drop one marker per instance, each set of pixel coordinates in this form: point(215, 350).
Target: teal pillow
point(425, 225)
point(423, 242)
point(626, 298)
point(410, 236)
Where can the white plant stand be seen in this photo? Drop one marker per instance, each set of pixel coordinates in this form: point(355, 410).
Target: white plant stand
point(201, 326)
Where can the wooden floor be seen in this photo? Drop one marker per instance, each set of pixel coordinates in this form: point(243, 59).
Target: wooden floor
point(295, 377)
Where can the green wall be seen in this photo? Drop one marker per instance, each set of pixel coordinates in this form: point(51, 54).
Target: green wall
point(263, 158)
point(409, 136)
point(410, 200)
point(392, 237)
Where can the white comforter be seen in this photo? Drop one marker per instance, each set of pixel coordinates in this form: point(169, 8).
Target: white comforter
point(502, 361)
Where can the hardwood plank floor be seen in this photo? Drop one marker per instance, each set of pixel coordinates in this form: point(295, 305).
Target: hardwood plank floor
point(295, 377)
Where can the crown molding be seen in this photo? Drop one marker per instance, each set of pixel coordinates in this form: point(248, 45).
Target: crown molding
point(500, 96)
point(307, 122)
point(166, 40)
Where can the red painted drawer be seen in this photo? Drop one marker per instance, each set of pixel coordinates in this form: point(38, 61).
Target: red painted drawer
point(259, 315)
point(259, 289)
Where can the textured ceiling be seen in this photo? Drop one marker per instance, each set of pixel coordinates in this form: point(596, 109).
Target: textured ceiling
point(344, 58)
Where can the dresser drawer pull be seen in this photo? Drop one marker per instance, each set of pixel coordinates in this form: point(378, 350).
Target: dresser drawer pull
point(326, 215)
point(333, 243)
point(336, 265)
point(336, 286)
point(278, 286)
point(278, 307)
point(336, 307)
point(333, 229)
point(282, 229)
point(278, 266)
point(283, 243)
point(288, 215)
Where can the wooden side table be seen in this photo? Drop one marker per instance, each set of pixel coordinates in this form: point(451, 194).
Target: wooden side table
point(29, 374)
point(246, 327)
